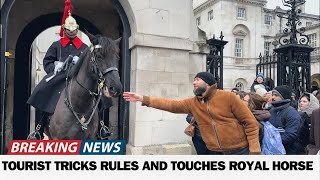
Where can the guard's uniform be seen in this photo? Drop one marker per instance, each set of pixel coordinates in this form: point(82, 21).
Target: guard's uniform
point(46, 94)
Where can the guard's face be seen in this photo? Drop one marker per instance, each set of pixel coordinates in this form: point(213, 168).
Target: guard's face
point(70, 34)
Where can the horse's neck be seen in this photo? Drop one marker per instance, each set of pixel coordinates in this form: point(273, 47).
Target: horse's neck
point(80, 97)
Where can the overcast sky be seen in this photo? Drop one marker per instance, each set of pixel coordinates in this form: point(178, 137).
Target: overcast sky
point(312, 6)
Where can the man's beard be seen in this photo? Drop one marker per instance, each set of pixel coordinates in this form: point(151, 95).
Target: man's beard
point(199, 91)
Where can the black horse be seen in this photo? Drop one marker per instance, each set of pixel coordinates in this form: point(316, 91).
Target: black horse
point(94, 75)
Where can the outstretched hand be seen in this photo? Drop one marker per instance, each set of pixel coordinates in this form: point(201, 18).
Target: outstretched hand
point(131, 96)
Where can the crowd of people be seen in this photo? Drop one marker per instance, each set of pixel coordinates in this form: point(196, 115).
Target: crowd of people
point(297, 120)
point(230, 122)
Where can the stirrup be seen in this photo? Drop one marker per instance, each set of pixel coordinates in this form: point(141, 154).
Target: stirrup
point(104, 132)
point(35, 135)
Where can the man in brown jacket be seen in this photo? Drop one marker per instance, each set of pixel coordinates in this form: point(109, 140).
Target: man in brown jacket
point(227, 126)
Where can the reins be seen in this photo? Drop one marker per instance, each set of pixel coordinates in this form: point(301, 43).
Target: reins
point(100, 85)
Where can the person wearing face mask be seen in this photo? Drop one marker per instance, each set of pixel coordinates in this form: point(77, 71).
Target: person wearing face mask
point(227, 126)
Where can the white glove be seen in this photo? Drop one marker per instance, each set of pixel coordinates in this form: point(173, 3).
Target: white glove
point(57, 66)
point(75, 59)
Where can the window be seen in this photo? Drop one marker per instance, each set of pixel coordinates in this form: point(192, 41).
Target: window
point(238, 47)
point(313, 40)
point(241, 13)
point(210, 15)
point(267, 48)
point(240, 86)
point(267, 19)
point(308, 24)
point(198, 21)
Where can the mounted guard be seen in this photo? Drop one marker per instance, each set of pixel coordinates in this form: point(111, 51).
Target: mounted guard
point(60, 57)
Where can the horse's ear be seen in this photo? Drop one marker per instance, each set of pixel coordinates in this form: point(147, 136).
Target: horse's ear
point(91, 36)
point(117, 41)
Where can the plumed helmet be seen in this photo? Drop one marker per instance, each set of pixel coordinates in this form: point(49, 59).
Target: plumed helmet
point(70, 23)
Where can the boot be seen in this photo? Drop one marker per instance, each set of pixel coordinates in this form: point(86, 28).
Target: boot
point(38, 133)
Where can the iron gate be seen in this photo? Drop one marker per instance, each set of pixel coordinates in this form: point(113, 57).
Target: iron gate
point(268, 66)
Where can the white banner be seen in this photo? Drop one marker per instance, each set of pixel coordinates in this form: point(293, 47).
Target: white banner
point(159, 166)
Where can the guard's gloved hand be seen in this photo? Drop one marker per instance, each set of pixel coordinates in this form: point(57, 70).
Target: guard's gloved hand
point(58, 66)
point(75, 59)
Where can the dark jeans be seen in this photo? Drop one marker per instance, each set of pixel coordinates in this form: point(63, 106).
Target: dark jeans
point(202, 149)
point(199, 144)
point(243, 151)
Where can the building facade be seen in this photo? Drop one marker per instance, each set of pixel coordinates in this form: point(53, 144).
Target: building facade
point(250, 29)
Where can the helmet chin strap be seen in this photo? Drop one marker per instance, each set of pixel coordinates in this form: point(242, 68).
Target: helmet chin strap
point(70, 36)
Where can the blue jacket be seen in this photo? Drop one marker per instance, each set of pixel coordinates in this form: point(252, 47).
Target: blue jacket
point(289, 127)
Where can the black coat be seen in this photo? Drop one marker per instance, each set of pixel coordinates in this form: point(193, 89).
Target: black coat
point(46, 94)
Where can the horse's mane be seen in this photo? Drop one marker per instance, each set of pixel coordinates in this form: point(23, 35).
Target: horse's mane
point(109, 47)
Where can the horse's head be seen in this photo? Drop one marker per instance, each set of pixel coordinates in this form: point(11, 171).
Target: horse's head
point(105, 62)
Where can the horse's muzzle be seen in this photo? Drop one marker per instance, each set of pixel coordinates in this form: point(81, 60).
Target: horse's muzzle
point(115, 92)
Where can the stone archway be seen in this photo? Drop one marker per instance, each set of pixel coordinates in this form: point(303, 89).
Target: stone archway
point(22, 68)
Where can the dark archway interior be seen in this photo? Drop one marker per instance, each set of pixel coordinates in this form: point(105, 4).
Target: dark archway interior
point(22, 73)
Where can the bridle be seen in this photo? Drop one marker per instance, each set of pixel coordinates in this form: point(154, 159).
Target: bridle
point(95, 66)
point(100, 86)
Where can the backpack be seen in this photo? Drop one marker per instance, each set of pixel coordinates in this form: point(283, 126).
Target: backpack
point(271, 141)
point(304, 130)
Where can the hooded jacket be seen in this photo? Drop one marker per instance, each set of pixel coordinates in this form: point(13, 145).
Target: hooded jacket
point(224, 121)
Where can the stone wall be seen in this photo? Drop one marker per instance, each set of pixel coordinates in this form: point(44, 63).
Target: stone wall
point(163, 64)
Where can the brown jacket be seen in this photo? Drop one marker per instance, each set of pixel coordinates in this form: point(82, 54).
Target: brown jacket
point(314, 145)
point(225, 122)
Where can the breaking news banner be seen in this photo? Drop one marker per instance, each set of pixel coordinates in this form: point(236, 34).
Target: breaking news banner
point(87, 159)
point(66, 147)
